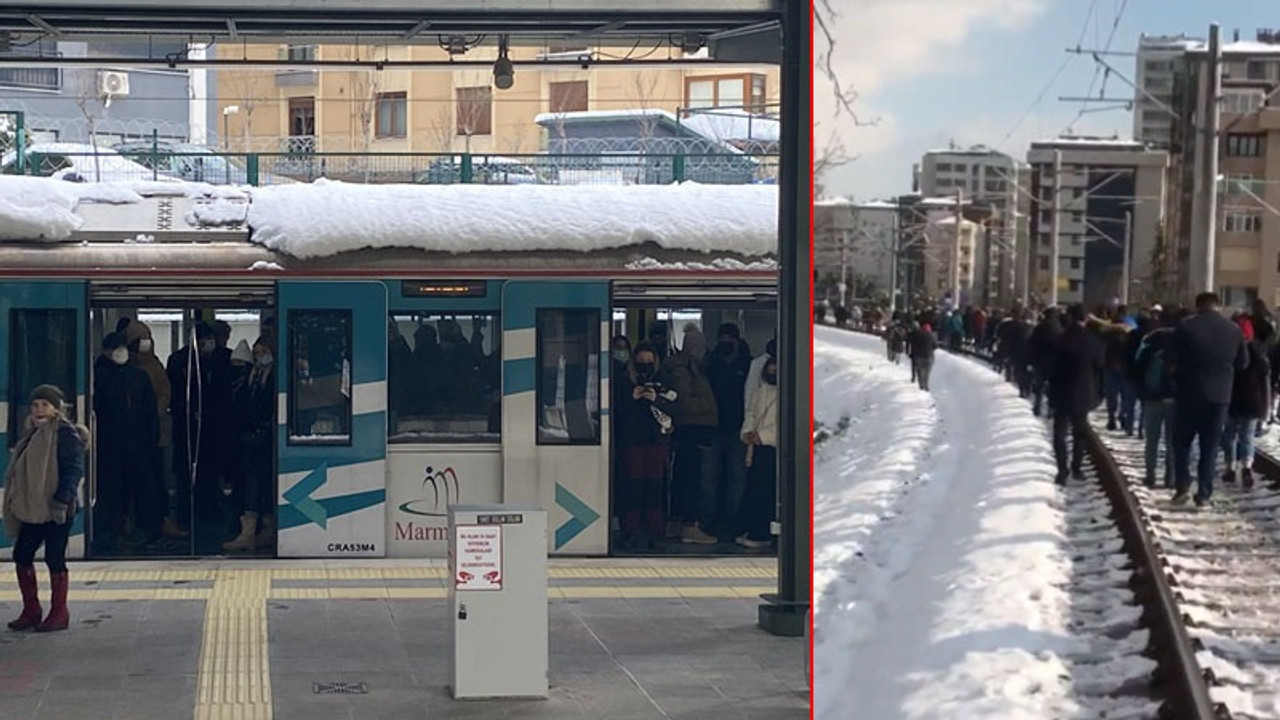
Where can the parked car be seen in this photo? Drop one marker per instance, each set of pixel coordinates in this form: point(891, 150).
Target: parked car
point(79, 162)
point(194, 163)
point(485, 170)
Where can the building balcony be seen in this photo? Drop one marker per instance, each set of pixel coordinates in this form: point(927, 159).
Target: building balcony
point(1269, 118)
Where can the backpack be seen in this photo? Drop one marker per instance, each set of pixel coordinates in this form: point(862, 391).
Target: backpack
point(1155, 376)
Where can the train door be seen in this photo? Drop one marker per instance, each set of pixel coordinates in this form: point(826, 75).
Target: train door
point(42, 331)
point(332, 434)
point(555, 408)
point(182, 480)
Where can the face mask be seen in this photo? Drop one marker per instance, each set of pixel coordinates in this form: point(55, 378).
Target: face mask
point(645, 369)
point(206, 346)
point(621, 355)
point(264, 359)
point(144, 345)
point(771, 378)
point(120, 356)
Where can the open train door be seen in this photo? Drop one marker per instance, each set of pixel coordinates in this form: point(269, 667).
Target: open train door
point(43, 326)
point(332, 432)
point(555, 407)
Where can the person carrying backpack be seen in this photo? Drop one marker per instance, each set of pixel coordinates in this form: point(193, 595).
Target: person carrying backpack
point(1153, 380)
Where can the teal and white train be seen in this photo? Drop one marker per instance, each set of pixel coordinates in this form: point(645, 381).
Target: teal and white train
point(371, 443)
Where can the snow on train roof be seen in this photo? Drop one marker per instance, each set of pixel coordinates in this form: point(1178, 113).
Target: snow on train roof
point(325, 218)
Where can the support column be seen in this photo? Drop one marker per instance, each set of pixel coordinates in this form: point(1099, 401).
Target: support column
point(784, 613)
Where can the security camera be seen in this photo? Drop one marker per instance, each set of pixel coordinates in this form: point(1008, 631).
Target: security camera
point(584, 61)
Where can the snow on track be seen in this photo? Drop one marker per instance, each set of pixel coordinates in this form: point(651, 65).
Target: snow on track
point(1226, 559)
point(944, 573)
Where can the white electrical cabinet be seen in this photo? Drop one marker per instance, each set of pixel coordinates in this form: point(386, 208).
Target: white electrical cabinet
point(498, 601)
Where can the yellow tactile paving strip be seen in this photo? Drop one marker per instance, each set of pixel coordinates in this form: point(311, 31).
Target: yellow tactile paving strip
point(234, 667)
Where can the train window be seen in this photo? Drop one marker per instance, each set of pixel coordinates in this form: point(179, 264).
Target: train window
point(444, 377)
point(320, 377)
point(568, 380)
point(42, 350)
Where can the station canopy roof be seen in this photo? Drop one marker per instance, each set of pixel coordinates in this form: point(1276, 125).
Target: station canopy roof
point(397, 22)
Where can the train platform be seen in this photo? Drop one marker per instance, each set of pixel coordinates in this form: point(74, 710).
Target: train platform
point(367, 639)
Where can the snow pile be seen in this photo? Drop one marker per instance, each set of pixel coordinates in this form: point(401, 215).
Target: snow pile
point(941, 568)
point(140, 239)
point(326, 218)
point(37, 209)
point(735, 124)
point(717, 264)
point(219, 212)
point(265, 265)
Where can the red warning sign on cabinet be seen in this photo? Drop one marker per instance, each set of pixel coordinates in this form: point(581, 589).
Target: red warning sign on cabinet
point(478, 565)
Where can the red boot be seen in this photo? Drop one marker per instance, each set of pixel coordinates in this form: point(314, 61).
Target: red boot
point(30, 616)
point(58, 618)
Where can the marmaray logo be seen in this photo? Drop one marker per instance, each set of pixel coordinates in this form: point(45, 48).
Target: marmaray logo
point(442, 483)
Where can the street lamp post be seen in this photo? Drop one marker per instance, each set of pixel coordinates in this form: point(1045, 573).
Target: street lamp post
point(227, 112)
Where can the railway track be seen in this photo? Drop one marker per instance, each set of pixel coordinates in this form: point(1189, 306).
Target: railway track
point(1147, 585)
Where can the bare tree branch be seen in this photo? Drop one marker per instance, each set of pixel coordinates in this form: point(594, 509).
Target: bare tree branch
point(825, 17)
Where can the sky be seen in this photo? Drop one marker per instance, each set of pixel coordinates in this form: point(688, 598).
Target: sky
point(931, 72)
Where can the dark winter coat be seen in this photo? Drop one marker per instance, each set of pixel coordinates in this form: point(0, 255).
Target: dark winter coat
point(1249, 391)
point(1075, 378)
point(696, 406)
point(1160, 339)
point(124, 406)
point(1042, 345)
point(636, 424)
point(728, 378)
point(921, 345)
point(1116, 341)
point(897, 337)
point(1013, 336)
point(1207, 350)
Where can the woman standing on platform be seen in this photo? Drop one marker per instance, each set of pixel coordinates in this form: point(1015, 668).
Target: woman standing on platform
point(40, 491)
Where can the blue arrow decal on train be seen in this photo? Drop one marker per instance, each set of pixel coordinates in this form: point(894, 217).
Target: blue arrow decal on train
point(580, 516)
point(337, 506)
point(299, 496)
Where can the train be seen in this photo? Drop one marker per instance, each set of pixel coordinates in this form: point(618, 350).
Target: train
point(344, 279)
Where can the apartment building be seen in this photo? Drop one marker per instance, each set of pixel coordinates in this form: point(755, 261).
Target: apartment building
point(1247, 247)
point(114, 103)
point(1156, 68)
point(853, 244)
point(1111, 196)
point(951, 258)
point(990, 179)
point(454, 110)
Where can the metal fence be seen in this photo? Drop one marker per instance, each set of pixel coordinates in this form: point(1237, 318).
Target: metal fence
point(142, 161)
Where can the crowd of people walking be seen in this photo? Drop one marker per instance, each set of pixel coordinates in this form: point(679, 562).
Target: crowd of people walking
point(1198, 382)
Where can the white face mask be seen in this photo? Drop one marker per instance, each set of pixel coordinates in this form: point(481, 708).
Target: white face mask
point(265, 359)
point(120, 356)
point(144, 345)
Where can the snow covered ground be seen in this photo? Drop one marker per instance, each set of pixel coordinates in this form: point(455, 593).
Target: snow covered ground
point(943, 569)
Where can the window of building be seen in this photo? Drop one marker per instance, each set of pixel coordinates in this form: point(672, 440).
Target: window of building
point(475, 111)
point(1075, 263)
point(302, 117)
point(1244, 185)
point(300, 53)
point(942, 167)
point(1242, 222)
point(1044, 262)
point(569, 96)
point(1074, 285)
point(1077, 216)
point(1242, 101)
point(42, 350)
point(444, 377)
point(568, 380)
point(1241, 145)
point(726, 91)
point(392, 115)
point(319, 377)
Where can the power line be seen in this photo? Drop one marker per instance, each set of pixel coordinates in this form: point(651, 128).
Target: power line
point(1084, 27)
point(1099, 70)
